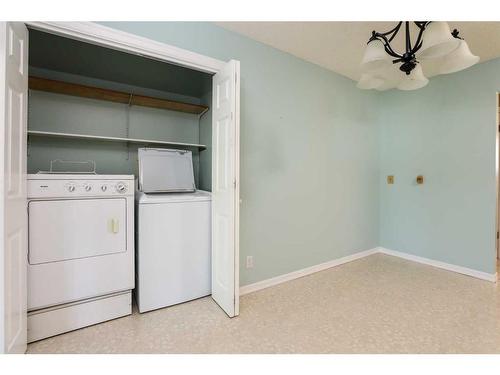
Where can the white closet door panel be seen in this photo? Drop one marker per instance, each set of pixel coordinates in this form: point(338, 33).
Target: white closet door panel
point(72, 229)
point(13, 153)
point(225, 145)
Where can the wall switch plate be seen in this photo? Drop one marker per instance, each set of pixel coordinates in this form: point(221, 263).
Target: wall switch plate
point(420, 179)
point(390, 180)
point(249, 261)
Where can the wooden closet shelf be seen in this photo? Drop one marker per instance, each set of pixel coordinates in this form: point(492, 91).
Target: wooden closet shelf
point(60, 87)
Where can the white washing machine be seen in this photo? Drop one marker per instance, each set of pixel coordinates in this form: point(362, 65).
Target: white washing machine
point(81, 251)
point(173, 248)
point(173, 231)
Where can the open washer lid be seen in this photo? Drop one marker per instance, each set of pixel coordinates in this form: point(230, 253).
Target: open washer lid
point(165, 170)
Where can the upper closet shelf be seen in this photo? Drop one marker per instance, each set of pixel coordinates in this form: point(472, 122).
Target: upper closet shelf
point(115, 139)
point(73, 89)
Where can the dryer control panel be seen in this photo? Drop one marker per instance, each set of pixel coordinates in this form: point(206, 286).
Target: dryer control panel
point(79, 187)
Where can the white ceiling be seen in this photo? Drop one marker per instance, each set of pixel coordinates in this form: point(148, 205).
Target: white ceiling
point(339, 46)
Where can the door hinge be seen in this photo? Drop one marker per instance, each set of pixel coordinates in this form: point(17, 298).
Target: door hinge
point(498, 235)
point(234, 184)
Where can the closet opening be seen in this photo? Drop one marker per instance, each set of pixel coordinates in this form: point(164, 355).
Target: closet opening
point(107, 225)
point(91, 102)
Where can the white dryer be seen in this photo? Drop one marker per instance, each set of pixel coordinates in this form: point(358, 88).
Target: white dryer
point(81, 251)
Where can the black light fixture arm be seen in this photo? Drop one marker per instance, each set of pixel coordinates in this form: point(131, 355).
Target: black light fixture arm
point(426, 40)
point(408, 57)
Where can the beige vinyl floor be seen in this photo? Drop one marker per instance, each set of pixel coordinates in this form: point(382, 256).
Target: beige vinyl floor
point(378, 304)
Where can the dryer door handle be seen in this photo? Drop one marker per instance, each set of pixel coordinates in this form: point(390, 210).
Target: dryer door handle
point(114, 225)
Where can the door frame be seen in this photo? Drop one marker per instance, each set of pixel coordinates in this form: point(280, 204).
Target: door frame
point(108, 37)
point(497, 176)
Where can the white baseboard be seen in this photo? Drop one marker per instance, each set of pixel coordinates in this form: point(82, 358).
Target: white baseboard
point(304, 272)
point(492, 277)
point(446, 266)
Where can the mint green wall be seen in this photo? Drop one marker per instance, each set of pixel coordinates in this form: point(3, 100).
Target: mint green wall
point(309, 152)
point(446, 132)
point(315, 152)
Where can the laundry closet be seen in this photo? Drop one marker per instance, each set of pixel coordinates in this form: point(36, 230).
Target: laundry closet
point(66, 116)
point(105, 128)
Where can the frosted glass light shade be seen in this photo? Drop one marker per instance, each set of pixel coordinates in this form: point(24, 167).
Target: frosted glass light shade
point(387, 85)
point(368, 81)
point(415, 80)
point(437, 41)
point(392, 77)
point(461, 58)
point(375, 56)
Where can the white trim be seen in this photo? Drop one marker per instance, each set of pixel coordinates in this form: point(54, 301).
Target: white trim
point(108, 37)
point(492, 277)
point(3, 172)
point(304, 272)
point(237, 116)
point(497, 166)
point(245, 289)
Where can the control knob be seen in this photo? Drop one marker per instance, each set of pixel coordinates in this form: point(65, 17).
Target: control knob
point(71, 187)
point(121, 187)
point(87, 187)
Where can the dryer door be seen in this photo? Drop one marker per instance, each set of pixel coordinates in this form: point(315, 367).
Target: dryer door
point(63, 230)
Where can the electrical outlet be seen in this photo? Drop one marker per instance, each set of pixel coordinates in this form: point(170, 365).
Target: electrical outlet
point(249, 261)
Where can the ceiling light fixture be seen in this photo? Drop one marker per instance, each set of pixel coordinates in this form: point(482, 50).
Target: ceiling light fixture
point(433, 41)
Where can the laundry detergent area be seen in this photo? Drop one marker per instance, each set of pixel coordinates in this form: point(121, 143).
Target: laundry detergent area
point(119, 184)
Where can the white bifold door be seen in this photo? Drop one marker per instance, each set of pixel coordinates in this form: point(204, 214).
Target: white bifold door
point(13, 213)
point(225, 187)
